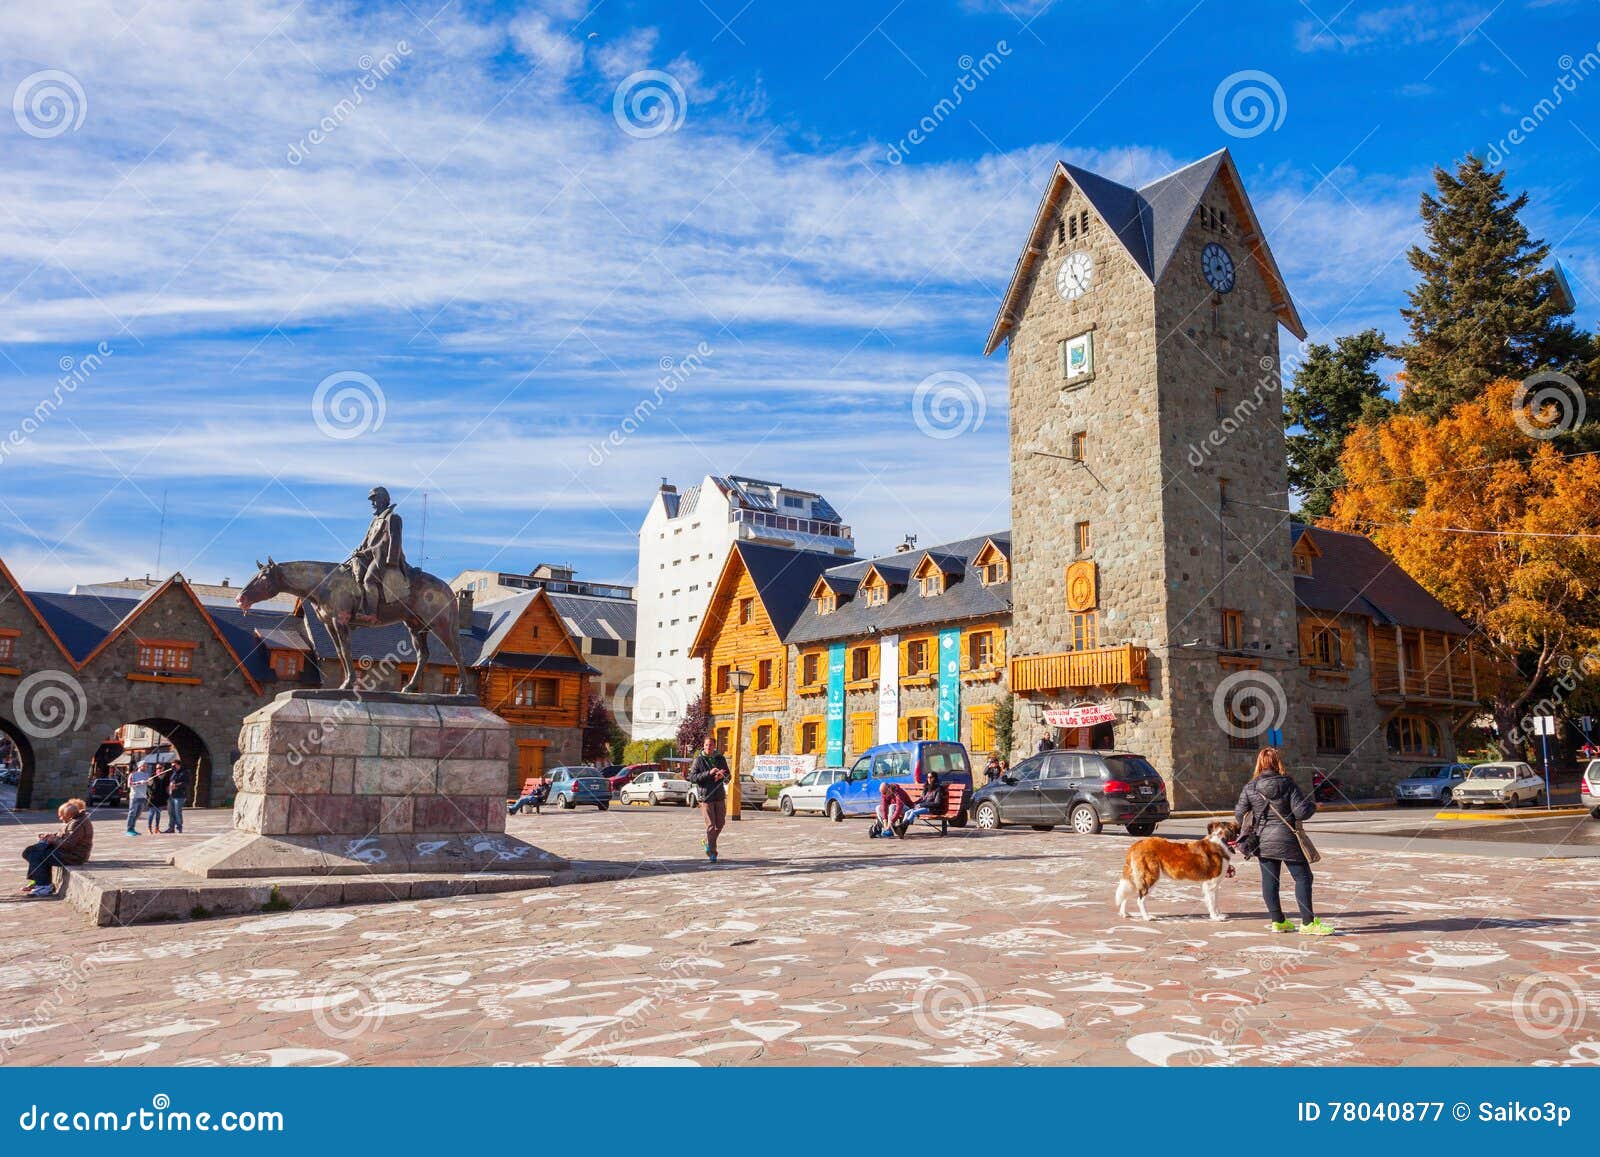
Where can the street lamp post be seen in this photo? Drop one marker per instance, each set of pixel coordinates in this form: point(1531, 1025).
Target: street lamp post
point(740, 679)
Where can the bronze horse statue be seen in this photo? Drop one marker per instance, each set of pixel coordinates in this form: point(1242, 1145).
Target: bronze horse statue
point(332, 592)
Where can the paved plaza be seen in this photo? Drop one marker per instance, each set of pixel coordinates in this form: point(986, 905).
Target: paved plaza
point(811, 944)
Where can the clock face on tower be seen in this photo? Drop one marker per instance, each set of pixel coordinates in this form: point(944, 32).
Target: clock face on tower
point(1075, 275)
point(1217, 265)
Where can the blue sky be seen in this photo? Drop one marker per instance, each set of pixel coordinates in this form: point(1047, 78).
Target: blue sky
point(491, 252)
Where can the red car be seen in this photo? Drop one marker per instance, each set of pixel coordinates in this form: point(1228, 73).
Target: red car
point(619, 777)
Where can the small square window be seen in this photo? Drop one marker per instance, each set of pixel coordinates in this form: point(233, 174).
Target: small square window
point(1081, 538)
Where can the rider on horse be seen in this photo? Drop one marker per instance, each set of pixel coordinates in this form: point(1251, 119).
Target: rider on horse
point(379, 554)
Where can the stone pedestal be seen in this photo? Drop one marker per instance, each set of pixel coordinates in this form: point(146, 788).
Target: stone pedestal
point(348, 782)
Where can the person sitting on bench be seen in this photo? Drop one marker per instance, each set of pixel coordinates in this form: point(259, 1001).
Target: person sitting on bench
point(71, 845)
point(534, 799)
point(932, 802)
point(892, 806)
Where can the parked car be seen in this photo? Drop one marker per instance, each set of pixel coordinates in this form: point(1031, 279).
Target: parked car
point(570, 786)
point(656, 786)
point(619, 776)
point(1084, 789)
point(1508, 783)
point(858, 793)
point(105, 791)
point(810, 792)
point(752, 792)
point(1589, 789)
point(1433, 784)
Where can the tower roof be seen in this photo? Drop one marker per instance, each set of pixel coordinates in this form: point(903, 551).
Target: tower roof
point(1149, 222)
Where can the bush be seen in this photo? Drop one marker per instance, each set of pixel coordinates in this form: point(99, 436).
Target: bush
point(647, 750)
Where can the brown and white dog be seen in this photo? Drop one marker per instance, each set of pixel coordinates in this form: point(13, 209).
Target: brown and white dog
point(1205, 860)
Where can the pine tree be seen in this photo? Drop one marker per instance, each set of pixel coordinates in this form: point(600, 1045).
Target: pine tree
point(1335, 387)
point(1486, 306)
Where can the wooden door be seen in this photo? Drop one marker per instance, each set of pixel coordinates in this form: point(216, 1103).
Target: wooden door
point(530, 765)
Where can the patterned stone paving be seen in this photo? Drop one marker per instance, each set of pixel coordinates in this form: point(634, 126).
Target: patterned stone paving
point(811, 944)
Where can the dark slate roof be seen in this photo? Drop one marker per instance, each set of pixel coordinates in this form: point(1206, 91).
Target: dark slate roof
point(585, 613)
point(1354, 577)
point(1169, 203)
point(963, 598)
point(1121, 209)
point(784, 578)
point(243, 630)
point(81, 621)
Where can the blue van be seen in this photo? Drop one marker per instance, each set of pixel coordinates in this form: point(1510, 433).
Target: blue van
point(905, 763)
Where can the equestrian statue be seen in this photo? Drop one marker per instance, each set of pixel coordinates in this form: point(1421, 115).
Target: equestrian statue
point(375, 586)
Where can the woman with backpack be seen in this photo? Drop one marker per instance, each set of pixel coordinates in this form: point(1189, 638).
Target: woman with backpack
point(1269, 814)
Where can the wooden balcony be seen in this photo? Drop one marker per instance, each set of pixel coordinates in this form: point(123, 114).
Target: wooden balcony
point(1428, 667)
point(1103, 667)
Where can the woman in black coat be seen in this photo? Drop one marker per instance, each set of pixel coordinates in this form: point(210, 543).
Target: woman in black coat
point(1276, 802)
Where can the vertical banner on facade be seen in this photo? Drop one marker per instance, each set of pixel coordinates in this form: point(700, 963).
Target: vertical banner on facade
point(836, 705)
point(950, 685)
point(888, 688)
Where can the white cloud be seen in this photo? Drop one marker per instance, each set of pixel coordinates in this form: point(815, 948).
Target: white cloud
point(553, 52)
point(628, 53)
point(1393, 26)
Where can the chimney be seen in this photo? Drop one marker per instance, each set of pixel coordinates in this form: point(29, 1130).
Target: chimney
point(667, 487)
point(224, 580)
point(463, 611)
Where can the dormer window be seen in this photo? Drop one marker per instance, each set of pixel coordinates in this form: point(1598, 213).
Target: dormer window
point(827, 604)
point(932, 585)
point(877, 595)
point(1304, 554)
point(992, 565)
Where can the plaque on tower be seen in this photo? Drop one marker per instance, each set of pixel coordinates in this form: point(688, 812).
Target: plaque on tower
point(1083, 586)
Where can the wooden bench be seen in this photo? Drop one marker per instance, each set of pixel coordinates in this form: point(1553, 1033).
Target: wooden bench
point(955, 794)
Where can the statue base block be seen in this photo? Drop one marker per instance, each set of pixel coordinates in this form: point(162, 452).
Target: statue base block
point(343, 783)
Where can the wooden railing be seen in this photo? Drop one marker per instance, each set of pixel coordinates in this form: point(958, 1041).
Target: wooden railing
point(1070, 670)
point(1427, 666)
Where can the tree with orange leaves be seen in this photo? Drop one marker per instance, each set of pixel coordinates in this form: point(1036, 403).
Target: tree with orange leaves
point(1481, 507)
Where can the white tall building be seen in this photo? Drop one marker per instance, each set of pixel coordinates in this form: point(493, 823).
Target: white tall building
point(682, 545)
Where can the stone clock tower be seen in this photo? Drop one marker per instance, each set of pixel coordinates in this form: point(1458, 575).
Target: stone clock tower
point(1147, 459)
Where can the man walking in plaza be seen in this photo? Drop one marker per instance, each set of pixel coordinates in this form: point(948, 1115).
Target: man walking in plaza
point(177, 792)
point(709, 774)
point(138, 794)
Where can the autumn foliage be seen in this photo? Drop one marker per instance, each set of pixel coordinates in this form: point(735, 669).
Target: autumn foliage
point(1413, 483)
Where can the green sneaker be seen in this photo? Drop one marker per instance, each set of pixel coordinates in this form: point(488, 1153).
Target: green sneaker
point(1281, 926)
point(1316, 928)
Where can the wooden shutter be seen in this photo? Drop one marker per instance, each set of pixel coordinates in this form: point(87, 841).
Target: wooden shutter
point(1308, 641)
point(967, 638)
point(999, 647)
point(1347, 649)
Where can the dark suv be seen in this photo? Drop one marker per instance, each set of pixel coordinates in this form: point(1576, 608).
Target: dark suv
point(1084, 789)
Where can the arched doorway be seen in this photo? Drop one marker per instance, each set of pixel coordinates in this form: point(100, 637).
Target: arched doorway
point(189, 746)
point(24, 749)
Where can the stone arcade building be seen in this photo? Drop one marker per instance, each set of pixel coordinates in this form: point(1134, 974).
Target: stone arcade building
point(1154, 573)
point(75, 667)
